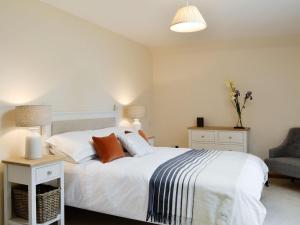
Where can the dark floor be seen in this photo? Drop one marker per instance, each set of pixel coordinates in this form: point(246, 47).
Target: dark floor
point(76, 216)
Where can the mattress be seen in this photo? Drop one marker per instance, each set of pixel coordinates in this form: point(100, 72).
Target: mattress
point(228, 190)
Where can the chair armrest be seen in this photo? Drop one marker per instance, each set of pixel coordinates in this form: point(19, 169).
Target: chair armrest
point(276, 152)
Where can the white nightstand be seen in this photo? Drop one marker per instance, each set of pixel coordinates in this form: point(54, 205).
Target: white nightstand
point(151, 140)
point(31, 173)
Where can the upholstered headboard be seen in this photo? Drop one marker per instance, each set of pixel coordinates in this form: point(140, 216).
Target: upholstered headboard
point(76, 121)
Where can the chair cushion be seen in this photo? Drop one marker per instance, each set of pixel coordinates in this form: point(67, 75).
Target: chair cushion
point(285, 165)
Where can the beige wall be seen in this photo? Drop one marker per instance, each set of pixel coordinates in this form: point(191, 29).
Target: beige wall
point(190, 82)
point(50, 57)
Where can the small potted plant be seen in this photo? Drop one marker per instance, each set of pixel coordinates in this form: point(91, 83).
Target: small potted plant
point(235, 100)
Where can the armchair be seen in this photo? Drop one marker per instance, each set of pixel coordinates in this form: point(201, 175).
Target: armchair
point(285, 159)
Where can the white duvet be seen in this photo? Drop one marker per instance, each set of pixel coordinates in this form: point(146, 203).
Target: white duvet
point(228, 190)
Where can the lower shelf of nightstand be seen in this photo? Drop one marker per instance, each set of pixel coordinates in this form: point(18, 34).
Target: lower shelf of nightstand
point(20, 221)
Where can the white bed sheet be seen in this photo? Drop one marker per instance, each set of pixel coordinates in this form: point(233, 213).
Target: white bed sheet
point(228, 191)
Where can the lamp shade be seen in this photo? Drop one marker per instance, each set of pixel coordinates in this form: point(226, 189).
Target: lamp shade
point(188, 19)
point(32, 115)
point(136, 111)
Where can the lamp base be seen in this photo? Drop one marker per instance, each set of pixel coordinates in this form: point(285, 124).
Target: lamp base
point(136, 124)
point(33, 145)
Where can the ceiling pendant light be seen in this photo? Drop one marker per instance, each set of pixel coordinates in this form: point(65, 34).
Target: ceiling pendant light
point(188, 19)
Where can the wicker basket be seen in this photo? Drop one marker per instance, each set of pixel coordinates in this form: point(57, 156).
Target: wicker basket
point(47, 202)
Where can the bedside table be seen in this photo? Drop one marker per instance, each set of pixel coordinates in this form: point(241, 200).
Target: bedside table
point(32, 173)
point(151, 140)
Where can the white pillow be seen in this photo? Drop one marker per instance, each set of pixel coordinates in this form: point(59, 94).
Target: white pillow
point(76, 146)
point(67, 158)
point(135, 144)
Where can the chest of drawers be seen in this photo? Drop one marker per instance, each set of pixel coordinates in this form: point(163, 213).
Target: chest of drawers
point(219, 138)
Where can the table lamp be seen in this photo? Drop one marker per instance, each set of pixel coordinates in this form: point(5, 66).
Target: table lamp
point(136, 112)
point(33, 117)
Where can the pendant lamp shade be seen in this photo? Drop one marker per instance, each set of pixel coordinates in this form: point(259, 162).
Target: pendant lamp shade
point(188, 19)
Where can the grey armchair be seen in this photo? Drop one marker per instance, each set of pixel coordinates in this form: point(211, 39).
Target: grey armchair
point(285, 159)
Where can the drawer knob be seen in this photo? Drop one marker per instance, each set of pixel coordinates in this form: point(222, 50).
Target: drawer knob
point(49, 173)
point(202, 136)
point(230, 137)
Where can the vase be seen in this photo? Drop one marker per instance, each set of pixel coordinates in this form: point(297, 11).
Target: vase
point(239, 124)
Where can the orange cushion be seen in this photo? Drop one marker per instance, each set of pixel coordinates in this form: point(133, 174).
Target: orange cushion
point(108, 148)
point(143, 134)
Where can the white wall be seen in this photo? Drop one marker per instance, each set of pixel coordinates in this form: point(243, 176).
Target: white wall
point(190, 81)
point(50, 57)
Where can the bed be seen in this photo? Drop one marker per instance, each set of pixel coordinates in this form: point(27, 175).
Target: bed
point(227, 191)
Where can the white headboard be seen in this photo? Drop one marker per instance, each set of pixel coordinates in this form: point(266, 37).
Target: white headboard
point(75, 121)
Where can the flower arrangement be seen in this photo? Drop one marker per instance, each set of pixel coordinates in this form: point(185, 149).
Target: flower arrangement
point(234, 98)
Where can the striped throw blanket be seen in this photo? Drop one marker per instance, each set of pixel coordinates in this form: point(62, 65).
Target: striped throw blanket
point(172, 187)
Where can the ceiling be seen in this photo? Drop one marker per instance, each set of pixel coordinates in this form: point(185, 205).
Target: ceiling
point(147, 21)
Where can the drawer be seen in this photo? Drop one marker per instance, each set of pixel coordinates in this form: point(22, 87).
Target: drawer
point(199, 146)
point(231, 137)
point(203, 136)
point(233, 147)
point(47, 173)
point(219, 147)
